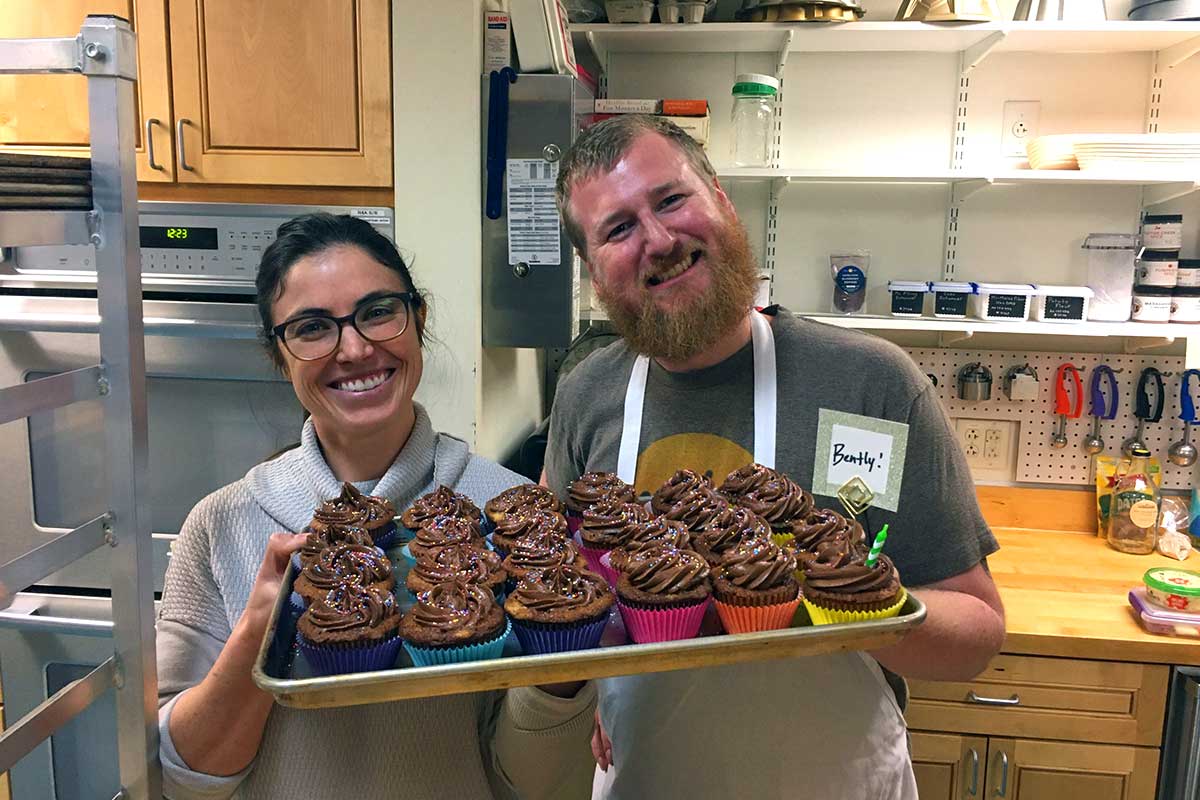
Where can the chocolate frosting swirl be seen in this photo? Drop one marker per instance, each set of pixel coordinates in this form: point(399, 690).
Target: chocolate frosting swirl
point(821, 523)
point(684, 484)
point(559, 589)
point(614, 518)
point(591, 487)
point(451, 605)
point(758, 564)
point(699, 510)
point(457, 562)
point(656, 532)
point(345, 509)
point(441, 502)
point(351, 607)
point(442, 531)
point(543, 550)
point(527, 495)
point(348, 563)
point(728, 531)
point(666, 570)
point(744, 480)
point(839, 566)
point(316, 543)
point(526, 521)
point(778, 500)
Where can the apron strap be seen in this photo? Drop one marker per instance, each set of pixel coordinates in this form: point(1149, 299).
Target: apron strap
point(631, 429)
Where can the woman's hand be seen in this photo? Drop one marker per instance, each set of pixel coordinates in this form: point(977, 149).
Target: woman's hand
point(269, 580)
point(601, 746)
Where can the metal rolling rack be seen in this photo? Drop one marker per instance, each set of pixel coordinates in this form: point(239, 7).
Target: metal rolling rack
point(104, 52)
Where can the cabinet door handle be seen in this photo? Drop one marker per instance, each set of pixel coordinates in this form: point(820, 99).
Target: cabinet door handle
point(150, 123)
point(1002, 789)
point(973, 790)
point(1015, 700)
point(179, 144)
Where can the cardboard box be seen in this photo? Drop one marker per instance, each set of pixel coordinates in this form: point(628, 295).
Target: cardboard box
point(685, 108)
point(696, 127)
point(497, 41)
point(543, 39)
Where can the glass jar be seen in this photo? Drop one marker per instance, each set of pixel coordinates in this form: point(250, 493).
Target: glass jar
point(752, 120)
point(1133, 523)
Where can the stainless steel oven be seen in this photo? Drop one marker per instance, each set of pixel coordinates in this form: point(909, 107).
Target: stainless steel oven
point(1179, 775)
point(216, 407)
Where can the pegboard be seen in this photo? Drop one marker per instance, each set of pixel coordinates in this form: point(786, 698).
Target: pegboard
point(1036, 460)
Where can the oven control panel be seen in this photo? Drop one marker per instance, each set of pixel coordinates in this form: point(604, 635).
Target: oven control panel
point(217, 241)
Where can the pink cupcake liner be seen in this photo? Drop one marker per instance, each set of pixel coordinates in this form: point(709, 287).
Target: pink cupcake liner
point(663, 625)
point(591, 555)
point(748, 619)
point(606, 569)
point(574, 524)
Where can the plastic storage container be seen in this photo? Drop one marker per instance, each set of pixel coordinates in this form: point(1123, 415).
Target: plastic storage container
point(1176, 589)
point(1188, 273)
point(1185, 304)
point(908, 297)
point(1152, 303)
point(1158, 268)
point(1162, 231)
point(1061, 303)
point(629, 10)
point(752, 119)
point(1160, 620)
point(1110, 273)
point(1001, 302)
point(950, 299)
point(691, 11)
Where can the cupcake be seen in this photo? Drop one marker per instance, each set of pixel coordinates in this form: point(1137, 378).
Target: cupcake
point(442, 531)
point(821, 524)
point(683, 485)
point(839, 586)
point(589, 489)
point(559, 609)
point(755, 588)
point(341, 511)
point(454, 622)
point(769, 494)
point(379, 516)
point(525, 496)
point(524, 522)
point(727, 531)
point(316, 543)
point(462, 562)
point(663, 594)
point(442, 502)
point(654, 532)
point(608, 524)
point(540, 551)
point(362, 565)
point(700, 510)
point(350, 629)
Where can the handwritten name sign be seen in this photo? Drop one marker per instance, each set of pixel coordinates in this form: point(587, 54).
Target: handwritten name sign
point(850, 445)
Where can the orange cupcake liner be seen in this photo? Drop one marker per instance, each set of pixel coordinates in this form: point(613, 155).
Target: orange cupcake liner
point(751, 619)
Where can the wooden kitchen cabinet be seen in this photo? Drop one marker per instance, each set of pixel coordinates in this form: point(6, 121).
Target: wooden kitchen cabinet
point(49, 113)
point(1027, 769)
point(948, 767)
point(263, 94)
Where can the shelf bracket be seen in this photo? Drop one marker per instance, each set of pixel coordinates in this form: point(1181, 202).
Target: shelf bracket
point(1164, 193)
point(974, 55)
point(951, 338)
point(1135, 344)
point(961, 190)
point(1176, 54)
point(785, 46)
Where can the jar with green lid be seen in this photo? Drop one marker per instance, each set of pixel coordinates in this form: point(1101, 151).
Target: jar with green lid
point(1133, 522)
point(1176, 589)
point(752, 119)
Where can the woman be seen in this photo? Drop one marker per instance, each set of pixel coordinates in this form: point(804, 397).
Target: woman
point(344, 322)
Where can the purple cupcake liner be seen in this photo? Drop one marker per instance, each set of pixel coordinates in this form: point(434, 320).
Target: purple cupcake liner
point(385, 537)
point(340, 659)
point(606, 569)
point(536, 638)
point(296, 603)
point(432, 656)
point(297, 565)
point(647, 625)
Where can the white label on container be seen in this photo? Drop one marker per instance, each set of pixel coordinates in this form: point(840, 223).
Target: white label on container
point(1187, 277)
point(850, 445)
point(533, 226)
point(1143, 513)
point(375, 216)
point(1157, 273)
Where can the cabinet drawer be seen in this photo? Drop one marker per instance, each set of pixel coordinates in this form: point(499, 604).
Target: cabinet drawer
point(1048, 698)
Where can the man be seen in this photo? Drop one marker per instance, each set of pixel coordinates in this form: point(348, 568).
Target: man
point(671, 264)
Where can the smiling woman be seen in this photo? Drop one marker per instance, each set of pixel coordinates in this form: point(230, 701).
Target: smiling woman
point(344, 321)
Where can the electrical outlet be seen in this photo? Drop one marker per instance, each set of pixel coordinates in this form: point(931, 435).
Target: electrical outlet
point(1020, 126)
point(990, 447)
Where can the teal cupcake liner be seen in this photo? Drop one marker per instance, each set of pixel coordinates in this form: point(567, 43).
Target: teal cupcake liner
point(432, 656)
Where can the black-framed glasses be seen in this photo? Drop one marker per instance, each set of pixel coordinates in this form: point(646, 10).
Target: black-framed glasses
point(315, 336)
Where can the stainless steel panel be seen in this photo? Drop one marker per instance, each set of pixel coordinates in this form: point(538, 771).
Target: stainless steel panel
point(54, 391)
point(24, 571)
point(31, 228)
point(1179, 773)
point(533, 307)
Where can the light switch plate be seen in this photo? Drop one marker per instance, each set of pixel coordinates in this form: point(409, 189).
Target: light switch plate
point(1020, 126)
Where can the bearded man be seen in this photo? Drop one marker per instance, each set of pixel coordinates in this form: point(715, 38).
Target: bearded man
point(704, 381)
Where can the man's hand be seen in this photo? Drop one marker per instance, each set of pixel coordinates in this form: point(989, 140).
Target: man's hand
point(601, 746)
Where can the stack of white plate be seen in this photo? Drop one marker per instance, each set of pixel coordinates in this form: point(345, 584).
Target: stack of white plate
point(1052, 152)
point(1117, 152)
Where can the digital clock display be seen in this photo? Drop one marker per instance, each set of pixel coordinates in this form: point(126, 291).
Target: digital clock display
point(179, 238)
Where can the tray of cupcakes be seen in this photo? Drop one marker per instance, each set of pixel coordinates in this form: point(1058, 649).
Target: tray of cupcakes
point(535, 589)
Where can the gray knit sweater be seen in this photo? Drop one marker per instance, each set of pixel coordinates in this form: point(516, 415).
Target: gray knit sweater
point(522, 743)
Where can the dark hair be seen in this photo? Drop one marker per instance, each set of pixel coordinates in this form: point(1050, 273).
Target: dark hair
point(601, 146)
point(308, 235)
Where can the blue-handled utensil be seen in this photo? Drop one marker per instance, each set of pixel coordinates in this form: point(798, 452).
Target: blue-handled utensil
point(1142, 410)
point(1095, 444)
point(1183, 452)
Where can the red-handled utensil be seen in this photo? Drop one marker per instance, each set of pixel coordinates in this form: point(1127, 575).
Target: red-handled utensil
point(1062, 402)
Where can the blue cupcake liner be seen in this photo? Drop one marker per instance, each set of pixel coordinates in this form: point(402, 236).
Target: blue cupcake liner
point(340, 659)
point(432, 656)
point(296, 603)
point(486, 525)
point(537, 638)
point(385, 537)
point(296, 564)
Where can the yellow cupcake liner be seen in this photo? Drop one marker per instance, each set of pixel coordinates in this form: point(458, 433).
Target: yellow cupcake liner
point(833, 616)
point(782, 539)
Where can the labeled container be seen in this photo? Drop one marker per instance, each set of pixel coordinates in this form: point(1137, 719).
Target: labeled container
point(1188, 273)
point(849, 273)
point(1152, 303)
point(1176, 589)
point(752, 119)
point(629, 10)
point(950, 299)
point(1185, 304)
point(1110, 273)
point(1161, 620)
point(1136, 504)
point(1157, 268)
point(1162, 231)
point(1061, 303)
point(908, 297)
point(1001, 302)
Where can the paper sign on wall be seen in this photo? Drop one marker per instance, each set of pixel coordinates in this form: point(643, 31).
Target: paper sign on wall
point(533, 228)
point(850, 445)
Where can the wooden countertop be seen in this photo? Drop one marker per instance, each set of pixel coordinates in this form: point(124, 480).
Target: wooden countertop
point(1065, 595)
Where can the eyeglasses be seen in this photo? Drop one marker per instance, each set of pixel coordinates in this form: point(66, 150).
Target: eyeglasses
point(315, 336)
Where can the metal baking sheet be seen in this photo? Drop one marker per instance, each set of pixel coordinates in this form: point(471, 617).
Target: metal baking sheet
point(281, 671)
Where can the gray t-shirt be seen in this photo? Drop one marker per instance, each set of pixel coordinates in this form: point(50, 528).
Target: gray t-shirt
point(704, 420)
